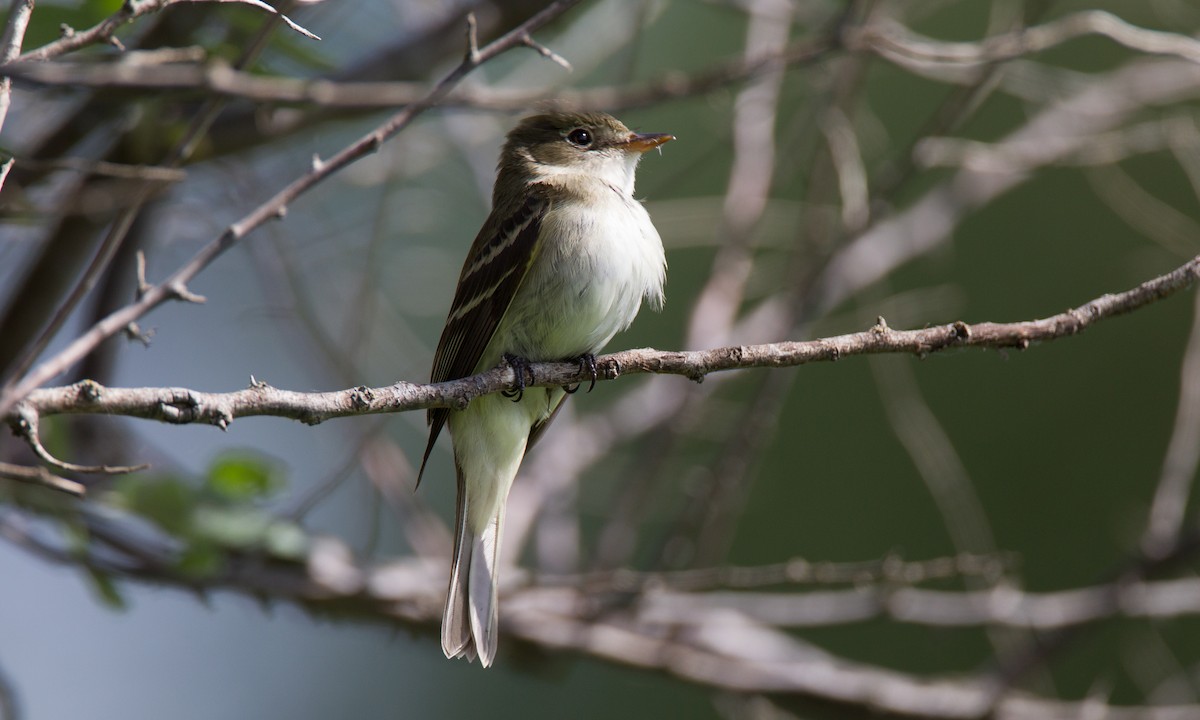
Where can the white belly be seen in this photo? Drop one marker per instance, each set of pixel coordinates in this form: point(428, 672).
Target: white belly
point(587, 284)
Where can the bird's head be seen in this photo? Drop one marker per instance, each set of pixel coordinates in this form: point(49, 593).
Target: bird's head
point(588, 143)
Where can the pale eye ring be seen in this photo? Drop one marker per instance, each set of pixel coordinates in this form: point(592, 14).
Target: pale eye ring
point(579, 137)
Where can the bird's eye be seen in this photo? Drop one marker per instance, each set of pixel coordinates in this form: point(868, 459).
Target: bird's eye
point(579, 137)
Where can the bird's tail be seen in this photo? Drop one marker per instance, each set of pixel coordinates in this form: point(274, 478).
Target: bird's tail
point(470, 625)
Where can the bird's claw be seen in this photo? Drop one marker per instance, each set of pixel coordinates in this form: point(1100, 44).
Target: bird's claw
point(587, 364)
point(519, 366)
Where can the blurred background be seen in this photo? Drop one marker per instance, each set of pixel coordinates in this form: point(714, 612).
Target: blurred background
point(834, 540)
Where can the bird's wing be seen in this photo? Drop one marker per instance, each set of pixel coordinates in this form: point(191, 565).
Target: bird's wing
point(495, 268)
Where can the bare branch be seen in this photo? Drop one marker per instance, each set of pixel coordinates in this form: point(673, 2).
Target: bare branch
point(183, 406)
point(175, 286)
point(1166, 517)
point(41, 476)
point(546, 52)
point(4, 168)
point(26, 426)
point(216, 76)
point(152, 173)
point(707, 642)
point(105, 30)
point(264, 6)
point(903, 46)
point(891, 570)
point(1060, 130)
point(1003, 605)
point(10, 46)
point(1105, 148)
point(118, 231)
point(14, 33)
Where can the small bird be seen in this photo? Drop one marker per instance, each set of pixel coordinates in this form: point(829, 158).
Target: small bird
point(561, 265)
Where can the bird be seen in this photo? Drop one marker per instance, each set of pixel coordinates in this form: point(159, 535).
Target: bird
point(562, 263)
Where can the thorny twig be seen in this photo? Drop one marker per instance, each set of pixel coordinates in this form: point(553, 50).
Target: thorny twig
point(175, 286)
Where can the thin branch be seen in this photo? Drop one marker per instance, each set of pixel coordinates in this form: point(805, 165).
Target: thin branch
point(933, 455)
point(103, 168)
point(264, 6)
point(891, 570)
point(718, 647)
point(184, 406)
point(26, 426)
point(120, 228)
point(217, 77)
point(41, 476)
point(10, 47)
point(1170, 505)
point(175, 286)
point(546, 52)
point(4, 168)
point(1060, 130)
point(105, 30)
point(900, 44)
point(1104, 148)
point(1003, 606)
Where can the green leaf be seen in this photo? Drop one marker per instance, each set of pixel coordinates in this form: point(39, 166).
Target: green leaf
point(167, 502)
point(200, 559)
point(105, 589)
point(239, 478)
point(229, 527)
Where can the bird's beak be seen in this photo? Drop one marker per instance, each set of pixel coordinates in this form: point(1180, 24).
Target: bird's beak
point(643, 143)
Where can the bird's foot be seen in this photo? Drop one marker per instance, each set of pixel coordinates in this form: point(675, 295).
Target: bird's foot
point(587, 364)
point(519, 366)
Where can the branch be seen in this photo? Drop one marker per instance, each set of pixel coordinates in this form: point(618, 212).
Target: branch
point(141, 193)
point(183, 406)
point(1003, 606)
point(1060, 130)
point(10, 46)
point(40, 476)
point(175, 286)
point(105, 31)
point(217, 77)
point(717, 647)
point(903, 46)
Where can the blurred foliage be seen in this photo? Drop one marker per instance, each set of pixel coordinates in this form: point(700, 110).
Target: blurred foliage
point(223, 513)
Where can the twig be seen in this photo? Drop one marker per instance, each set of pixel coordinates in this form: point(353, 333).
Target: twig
point(1003, 606)
point(1170, 505)
point(155, 173)
point(713, 314)
point(264, 6)
point(4, 168)
point(175, 286)
point(26, 426)
point(183, 406)
point(714, 646)
point(119, 229)
point(546, 52)
point(1060, 130)
point(933, 455)
point(891, 570)
point(105, 30)
point(10, 47)
point(41, 476)
point(900, 44)
point(1105, 148)
point(216, 76)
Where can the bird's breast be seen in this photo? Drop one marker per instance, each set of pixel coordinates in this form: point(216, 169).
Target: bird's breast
point(599, 257)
